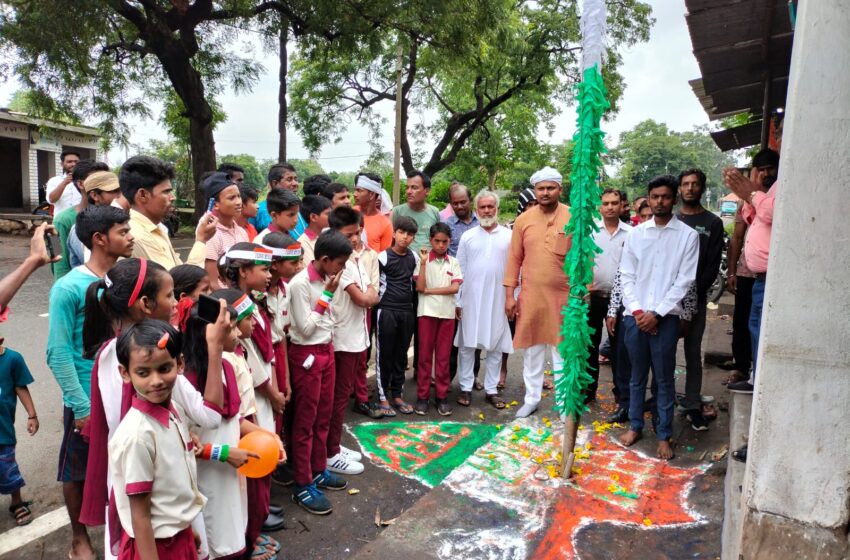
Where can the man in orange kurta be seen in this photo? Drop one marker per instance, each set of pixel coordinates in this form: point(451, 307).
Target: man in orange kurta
point(538, 249)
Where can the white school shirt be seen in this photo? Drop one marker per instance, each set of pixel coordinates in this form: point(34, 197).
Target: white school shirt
point(247, 401)
point(278, 305)
point(261, 372)
point(310, 322)
point(152, 453)
point(658, 266)
point(350, 331)
point(226, 512)
point(440, 272)
point(607, 262)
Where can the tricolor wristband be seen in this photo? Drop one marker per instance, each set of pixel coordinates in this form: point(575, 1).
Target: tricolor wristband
point(225, 451)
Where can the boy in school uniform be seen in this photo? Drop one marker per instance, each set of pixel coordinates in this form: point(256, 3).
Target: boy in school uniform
point(368, 258)
point(352, 301)
point(312, 370)
point(314, 210)
point(396, 315)
point(437, 282)
point(283, 207)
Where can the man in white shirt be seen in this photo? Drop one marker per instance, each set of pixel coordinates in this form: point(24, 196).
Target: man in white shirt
point(658, 266)
point(610, 238)
point(61, 192)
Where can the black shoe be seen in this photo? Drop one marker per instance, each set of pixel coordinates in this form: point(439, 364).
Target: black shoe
point(740, 454)
point(276, 509)
point(282, 476)
point(361, 408)
point(697, 420)
point(744, 387)
point(622, 415)
point(421, 407)
point(272, 523)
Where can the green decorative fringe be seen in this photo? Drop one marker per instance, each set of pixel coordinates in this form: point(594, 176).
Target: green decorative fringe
point(584, 209)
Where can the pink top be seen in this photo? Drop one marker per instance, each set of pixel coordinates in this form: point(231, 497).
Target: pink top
point(225, 238)
point(758, 214)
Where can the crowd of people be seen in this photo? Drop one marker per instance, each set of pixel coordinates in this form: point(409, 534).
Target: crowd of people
point(158, 390)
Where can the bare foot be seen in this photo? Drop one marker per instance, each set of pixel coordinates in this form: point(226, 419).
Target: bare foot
point(81, 549)
point(630, 438)
point(665, 451)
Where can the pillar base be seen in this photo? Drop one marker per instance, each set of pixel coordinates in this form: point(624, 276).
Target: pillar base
point(767, 536)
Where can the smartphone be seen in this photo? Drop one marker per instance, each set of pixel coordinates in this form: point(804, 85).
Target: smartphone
point(208, 308)
point(53, 244)
point(211, 205)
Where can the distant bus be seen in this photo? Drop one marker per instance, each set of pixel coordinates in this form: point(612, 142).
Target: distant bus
point(728, 208)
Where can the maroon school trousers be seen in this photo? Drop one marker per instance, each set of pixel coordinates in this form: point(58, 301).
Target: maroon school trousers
point(280, 363)
point(349, 366)
point(435, 347)
point(312, 403)
point(361, 389)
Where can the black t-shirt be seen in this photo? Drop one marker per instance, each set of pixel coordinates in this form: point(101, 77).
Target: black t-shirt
point(397, 289)
point(710, 230)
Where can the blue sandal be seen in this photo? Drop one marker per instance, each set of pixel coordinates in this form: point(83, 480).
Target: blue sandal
point(266, 542)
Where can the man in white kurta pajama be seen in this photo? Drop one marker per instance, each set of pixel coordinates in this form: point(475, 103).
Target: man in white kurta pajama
point(482, 253)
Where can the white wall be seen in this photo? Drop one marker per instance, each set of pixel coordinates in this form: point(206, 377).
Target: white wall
point(799, 453)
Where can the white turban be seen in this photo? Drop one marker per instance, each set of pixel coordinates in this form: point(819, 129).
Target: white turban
point(365, 182)
point(547, 174)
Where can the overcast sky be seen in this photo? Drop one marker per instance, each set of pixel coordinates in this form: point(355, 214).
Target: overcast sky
point(656, 76)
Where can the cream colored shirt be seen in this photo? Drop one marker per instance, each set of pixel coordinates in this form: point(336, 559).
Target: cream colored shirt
point(247, 404)
point(278, 305)
point(310, 322)
point(151, 453)
point(350, 332)
point(153, 244)
point(369, 260)
point(440, 272)
point(308, 245)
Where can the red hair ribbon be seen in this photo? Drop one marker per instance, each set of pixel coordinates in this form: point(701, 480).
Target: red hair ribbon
point(143, 269)
point(163, 341)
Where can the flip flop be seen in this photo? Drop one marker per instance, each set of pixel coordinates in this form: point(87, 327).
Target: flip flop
point(21, 513)
point(403, 407)
point(497, 401)
point(387, 410)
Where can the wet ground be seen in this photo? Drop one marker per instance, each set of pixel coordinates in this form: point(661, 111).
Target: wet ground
point(474, 485)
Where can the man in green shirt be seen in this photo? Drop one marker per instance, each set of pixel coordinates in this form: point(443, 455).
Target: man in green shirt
point(66, 218)
point(425, 215)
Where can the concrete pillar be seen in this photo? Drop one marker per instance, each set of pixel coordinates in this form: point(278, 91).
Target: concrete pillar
point(30, 179)
point(797, 483)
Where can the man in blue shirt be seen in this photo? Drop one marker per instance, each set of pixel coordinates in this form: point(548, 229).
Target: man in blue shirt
point(464, 219)
point(281, 176)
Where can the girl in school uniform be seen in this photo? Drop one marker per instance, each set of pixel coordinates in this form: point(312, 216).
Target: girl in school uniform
point(132, 290)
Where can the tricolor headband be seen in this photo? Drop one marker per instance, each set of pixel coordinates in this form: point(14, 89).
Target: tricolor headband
point(243, 306)
point(143, 269)
point(290, 253)
point(261, 255)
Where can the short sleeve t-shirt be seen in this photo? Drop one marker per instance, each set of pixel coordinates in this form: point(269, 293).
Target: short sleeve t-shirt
point(379, 232)
point(424, 220)
point(63, 223)
point(396, 280)
point(13, 373)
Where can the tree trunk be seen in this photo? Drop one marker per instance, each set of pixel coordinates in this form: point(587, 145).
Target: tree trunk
point(203, 159)
point(281, 96)
point(491, 179)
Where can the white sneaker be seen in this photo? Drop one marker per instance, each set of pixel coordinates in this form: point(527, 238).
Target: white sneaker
point(525, 411)
point(350, 454)
point(340, 464)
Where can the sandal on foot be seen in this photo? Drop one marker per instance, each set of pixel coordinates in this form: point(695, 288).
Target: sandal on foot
point(735, 377)
point(465, 398)
point(262, 553)
point(478, 386)
point(269, 543)
point(387, 410)
point(21, 513)
point(497, 401)
point(403, 407)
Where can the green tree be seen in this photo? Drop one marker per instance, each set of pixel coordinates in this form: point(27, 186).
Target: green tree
point(483, 68)
point(652, 149)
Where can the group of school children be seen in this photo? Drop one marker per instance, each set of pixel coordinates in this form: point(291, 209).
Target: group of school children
point(173, 392)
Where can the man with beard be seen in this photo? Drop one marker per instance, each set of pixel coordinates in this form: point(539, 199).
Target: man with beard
point(539, 246)
point(482, 254)
point(710, 230)
point(58, 191)
point(658, 266)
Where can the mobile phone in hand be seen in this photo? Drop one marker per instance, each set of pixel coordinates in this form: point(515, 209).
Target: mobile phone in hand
point(211, 205)
point(53, 244)
point(208, 308)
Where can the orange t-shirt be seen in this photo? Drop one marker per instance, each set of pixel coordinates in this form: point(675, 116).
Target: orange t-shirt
point(379, 232)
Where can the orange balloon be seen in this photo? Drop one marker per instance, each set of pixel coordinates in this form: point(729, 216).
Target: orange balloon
point(265, 445)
